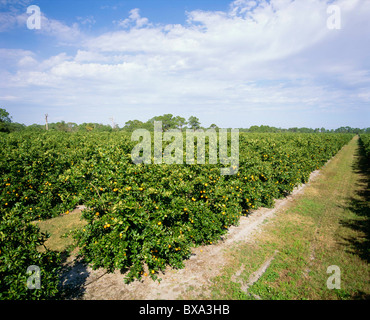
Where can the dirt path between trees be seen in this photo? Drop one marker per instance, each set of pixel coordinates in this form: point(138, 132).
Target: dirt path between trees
point(205, 263)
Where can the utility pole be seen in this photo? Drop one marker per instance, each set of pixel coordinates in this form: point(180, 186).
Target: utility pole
point(46, 121)
point(113, 124)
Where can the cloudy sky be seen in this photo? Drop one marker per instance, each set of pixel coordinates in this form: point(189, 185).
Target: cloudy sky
point(282, 63)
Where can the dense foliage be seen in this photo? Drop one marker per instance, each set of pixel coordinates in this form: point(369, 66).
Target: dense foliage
point(19, 249)
point(365, 141)
point(138, 214)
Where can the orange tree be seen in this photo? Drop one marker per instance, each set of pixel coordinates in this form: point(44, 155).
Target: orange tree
point(19, 249)
point(365, 142)
point(138, 214)
point(154, 214)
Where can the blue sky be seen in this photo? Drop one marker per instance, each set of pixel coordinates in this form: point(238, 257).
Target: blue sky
point(234, 63)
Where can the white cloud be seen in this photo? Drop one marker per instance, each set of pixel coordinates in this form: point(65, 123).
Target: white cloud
point(89, 20)
point(11, 19)
point(10, 58)
point(259, 56)
point(90, 56)
point(264, 34)
point(8, 98)
point(134, 19)
point(14, 3)
point(27, 62)
point(16, 17)
point(62, 32)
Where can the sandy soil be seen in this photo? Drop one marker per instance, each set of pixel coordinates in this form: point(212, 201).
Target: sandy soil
point(205, 263)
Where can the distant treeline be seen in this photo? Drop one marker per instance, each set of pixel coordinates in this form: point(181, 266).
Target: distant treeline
point(168, 122)
point(306, 130)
